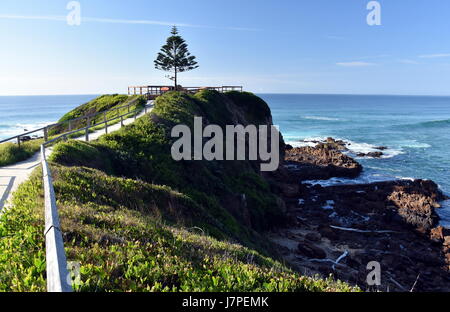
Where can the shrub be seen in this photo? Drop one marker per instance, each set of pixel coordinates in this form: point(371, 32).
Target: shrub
point(11, 153)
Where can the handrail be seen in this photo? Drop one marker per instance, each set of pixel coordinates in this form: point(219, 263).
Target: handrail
point(46, 128)
point(94, 115)
point(58, 276)
point(105, 121)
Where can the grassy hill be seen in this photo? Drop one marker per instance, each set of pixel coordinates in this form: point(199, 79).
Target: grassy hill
point(137, 220)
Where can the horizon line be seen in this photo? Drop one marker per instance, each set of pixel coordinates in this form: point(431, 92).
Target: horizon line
point(255, 92)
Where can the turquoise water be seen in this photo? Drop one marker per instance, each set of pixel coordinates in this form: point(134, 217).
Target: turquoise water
point(416, 130)
point(18, 113)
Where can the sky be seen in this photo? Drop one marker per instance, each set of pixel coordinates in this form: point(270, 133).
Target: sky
point(270, 46)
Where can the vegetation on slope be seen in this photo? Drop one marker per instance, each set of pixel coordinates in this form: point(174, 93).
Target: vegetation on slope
point(11, 153)
point(100, 104)
point(123, 246)
point(138, 221)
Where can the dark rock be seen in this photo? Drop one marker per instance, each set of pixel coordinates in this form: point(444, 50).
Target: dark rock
point(288, 147)
point(314, 237)
point(291, 190)
point(370, 154)
point(310, 250)
point(437, 234)
point(322, 162)
point(328, 232)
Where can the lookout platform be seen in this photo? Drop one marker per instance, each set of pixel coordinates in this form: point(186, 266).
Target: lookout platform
point(154, 91)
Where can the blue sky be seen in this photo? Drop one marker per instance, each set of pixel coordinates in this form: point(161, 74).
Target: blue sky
point(286, 46)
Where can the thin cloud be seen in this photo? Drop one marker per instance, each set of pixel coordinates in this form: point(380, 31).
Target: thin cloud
point(435, 55)
point(122, 21)
point(406, 61)
point(354, 64)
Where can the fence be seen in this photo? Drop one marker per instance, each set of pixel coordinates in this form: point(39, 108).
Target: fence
point(58, 276)
point(46, 130)
point(154, 91)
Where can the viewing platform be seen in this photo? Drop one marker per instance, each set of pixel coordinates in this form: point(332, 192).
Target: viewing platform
point(154, 91)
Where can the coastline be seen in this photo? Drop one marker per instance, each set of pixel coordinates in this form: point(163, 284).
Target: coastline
point(339, 228)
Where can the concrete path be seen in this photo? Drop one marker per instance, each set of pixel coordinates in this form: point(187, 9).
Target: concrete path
point(14, 175)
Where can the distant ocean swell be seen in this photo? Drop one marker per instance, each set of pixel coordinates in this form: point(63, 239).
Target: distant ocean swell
point(429, 124)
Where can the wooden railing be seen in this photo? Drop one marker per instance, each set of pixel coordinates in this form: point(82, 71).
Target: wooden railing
point(44, 131)
point(58, 276)
point(154, 91)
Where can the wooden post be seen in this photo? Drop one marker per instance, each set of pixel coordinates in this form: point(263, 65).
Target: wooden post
point(106, 122)
point(88, 123)
point(121, 121)
point(18, 141)
point(45, 134)
point(70, 125)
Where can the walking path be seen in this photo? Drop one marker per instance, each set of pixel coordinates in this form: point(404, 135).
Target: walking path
point(14, 175)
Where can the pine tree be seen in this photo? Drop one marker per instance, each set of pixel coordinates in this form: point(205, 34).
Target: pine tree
point(175, 57)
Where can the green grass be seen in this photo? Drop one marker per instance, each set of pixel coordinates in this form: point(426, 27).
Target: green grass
point(98, 105)
point(136, 220)
point(122, 245)
point(11, 153)
point(22, 242)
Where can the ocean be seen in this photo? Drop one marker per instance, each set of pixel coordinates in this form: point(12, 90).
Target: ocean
point(416, 130)
point(19, 113)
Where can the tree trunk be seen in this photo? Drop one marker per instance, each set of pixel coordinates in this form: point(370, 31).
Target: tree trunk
point(176, 83)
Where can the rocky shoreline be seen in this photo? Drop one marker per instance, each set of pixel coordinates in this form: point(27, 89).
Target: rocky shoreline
point(340, 229)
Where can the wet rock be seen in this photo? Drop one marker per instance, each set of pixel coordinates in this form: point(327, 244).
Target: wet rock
point(322, 162)
point(447, 241)
point(314, 237)
point(415, 203)
point(291, 190)
point(328, 232)
point(288, 147)
point(437, 234)
point(310, 250)
point(370, 154)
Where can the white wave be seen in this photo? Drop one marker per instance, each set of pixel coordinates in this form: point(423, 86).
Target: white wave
point(366, 148)
point(353, 147)
point(32, 126)
point(20, 128)
point(414, 144)
point(364, 178)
